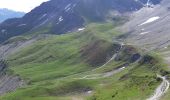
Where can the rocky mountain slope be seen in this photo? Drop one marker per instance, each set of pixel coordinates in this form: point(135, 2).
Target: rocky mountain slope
point(149, 26)
point(6, 14)
point(61, 16)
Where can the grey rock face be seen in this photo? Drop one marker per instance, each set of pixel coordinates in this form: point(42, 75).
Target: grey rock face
point(149, 27)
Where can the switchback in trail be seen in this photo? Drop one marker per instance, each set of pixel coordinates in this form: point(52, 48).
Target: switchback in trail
point(161, 89)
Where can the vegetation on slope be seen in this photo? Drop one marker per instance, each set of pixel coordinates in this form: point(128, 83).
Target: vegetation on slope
point(54, 68)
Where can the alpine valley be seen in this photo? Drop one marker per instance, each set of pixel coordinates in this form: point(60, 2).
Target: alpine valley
point(87, 50)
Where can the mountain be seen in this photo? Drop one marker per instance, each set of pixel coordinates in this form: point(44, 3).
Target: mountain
point(62, 16)
point(87, 50)
point(150, 26)
point(6, 14)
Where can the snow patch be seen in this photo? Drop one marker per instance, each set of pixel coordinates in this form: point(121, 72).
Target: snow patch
point(165, 47)
point(21, 25)
point(150, 20)
point(149, 4)
point(89, 92)
point(68, 7)
point(60, 19)
point(42, 16)
point(123, 68)
point(81, 29)
point(143, 33)
point(44, 22)
point(143, 29)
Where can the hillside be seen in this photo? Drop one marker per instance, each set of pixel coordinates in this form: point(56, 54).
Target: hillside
point(87, 50)
point(63, 68)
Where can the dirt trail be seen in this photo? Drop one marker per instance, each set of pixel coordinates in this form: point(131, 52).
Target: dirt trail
point(76, 98)
point(107, 74)
point(112, 58)
point(103, 75)
point(161, 89)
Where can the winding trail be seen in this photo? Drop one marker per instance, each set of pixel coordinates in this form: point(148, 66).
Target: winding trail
point(112, 58)
point(103, 75)
point(161, 90)
point(107, 74)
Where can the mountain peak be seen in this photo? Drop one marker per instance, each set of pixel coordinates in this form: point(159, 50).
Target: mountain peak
point(7, 13)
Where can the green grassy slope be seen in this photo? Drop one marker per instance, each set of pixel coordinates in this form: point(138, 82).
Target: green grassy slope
point(54, 68)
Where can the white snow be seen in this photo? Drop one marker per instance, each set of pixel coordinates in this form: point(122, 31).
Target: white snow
point(165, 47)
point(68, 7)
point(44, 22)
point(152, 19)
point(149, 4)
point(123, 68)
point(22, 25)
point(60, 19)
point(42, 16)
point(89, 92)
point(143, 29)
point(143, 33)
point(81, 29)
